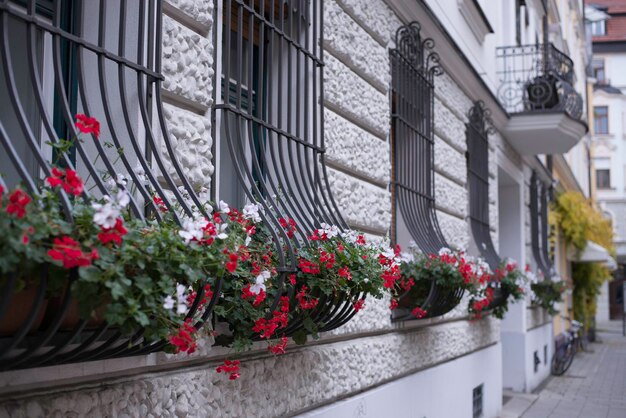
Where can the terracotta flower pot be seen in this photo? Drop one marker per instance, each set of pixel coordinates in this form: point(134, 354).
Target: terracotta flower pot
point(72, 315)
point(20, 306)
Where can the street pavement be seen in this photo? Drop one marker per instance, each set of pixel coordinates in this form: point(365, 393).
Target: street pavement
point(593, 387)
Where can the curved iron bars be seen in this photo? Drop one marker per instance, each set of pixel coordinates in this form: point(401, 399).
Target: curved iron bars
point(539, 195)
point(103, 61)
point(536, 78)
point(413, 68)
point(271, 114)
point(478, 128)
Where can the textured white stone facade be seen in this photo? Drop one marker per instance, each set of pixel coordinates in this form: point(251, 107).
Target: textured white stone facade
point(368, 351)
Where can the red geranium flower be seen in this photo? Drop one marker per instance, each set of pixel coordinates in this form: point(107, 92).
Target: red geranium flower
point(18, 200)
point(359, 304)
point(304, 303)
point(88, 125)
point(160, 204)
point(184, 339)
point(114, 234)
point(68, 179)
point(231, 265)
point(393, 304)
point(230, 367)
point(279, 348)
point(419, 312)
point(68, 251)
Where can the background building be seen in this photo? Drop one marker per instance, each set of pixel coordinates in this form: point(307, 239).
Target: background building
point(609, 152)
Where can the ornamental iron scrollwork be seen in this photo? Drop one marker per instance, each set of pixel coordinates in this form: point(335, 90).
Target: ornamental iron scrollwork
point(414, 65)
point(60, 58)
point(536, 78)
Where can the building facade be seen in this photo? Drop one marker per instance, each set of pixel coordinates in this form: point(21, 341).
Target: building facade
point(609, 53)
point(239, 73)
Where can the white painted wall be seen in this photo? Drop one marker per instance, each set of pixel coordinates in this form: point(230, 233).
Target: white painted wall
point(602, 311)
point(444, 391)
point(518, 349)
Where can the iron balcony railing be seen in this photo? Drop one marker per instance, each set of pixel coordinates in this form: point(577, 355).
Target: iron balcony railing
point(537, 78)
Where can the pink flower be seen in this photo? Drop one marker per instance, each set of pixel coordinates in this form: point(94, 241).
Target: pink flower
point(88, 125)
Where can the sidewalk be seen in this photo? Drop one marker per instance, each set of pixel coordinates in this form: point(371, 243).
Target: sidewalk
point(594, 386)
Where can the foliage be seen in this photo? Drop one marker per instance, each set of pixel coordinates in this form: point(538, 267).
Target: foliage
point(507, 282)
point(546, 293)
point(580, 223)
point(587, 277)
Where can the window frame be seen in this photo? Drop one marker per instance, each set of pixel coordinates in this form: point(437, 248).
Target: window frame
point(601, 122)
point(605, 184)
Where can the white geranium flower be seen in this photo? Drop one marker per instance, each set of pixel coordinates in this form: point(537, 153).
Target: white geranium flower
point(252, 211)
point(248, 240)
point(106, 214)
point(168, 303)
point(259, 284)
point(223, 207)
point(122, 198)
point(330, 230)
point(406, 257)
point(192, 229)
point(141, 173)
point(221, 231)
point(121, 179)
point(181, 305)
point(444, 251)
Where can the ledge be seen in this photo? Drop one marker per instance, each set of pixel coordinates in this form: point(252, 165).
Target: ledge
point(475, 18)
point(532, 133)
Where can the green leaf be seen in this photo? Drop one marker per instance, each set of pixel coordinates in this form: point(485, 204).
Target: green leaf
point(299, 337)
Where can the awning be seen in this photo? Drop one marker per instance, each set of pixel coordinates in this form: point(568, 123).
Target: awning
point(592, 253)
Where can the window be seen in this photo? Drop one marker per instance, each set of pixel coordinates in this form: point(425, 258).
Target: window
point(603, 179)
point(477, 131)
point(597, 66)
point(601, 120)
point(269, 115)
point(413, 71)
point(477, 401)
point(598, 28)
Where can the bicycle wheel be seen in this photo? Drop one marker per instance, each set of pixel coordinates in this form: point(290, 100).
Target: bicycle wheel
point(562, 359)
point(584, 342)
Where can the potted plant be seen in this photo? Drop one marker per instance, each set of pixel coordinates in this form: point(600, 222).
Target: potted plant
point(433, 284)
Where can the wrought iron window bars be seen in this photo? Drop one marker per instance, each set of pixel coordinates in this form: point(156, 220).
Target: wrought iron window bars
point(107, 62)
point(414, 66)
point(478, 128)
point(537, 78)
point(539, 228)
point(277, 145)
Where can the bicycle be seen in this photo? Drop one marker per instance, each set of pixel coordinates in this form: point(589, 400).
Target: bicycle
point(565, 351)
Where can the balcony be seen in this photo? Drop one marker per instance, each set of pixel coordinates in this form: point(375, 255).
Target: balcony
point(536, 87)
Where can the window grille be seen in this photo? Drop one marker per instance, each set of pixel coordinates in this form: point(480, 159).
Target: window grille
point(101, 58)
point(478, 129)
point(539, 201)
point(414, 66)
point(271, 124)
